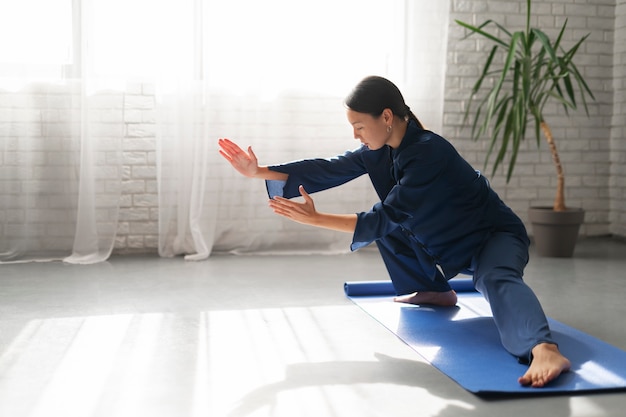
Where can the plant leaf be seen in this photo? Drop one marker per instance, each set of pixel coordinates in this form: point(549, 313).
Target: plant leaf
point(533, 71)
point(478, 30)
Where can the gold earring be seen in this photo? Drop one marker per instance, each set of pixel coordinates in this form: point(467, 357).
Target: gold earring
point(389, 129)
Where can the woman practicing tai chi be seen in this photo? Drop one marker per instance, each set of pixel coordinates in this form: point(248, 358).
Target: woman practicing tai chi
point(437, 217)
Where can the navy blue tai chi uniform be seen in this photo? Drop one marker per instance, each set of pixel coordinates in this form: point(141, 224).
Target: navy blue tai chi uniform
point(437, 217)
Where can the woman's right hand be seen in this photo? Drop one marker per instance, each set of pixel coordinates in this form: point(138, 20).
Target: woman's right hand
point(245, 163)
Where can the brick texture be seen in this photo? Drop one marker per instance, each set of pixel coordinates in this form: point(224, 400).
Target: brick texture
point(588, 146)
point(618, 125)
point(593, 149)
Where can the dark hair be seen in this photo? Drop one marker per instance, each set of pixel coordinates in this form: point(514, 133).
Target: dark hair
point(375, 94)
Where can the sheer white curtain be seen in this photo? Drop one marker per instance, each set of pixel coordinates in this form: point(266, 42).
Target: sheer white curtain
point(60, 139)
point(273, 75)
point(270, 74)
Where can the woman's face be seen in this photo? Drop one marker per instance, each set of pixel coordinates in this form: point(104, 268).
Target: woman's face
point(371, 131)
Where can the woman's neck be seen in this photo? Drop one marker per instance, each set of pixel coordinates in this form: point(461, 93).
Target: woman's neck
point(398, 131)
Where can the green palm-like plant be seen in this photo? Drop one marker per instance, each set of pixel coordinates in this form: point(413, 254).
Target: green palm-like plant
point(534, 71)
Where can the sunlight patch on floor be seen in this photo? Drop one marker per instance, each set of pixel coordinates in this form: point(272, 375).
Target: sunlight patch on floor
point(265, 362)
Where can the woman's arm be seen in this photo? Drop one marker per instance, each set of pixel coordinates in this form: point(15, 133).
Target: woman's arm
point(246, 163)
point(319, 174)
point(306, 213)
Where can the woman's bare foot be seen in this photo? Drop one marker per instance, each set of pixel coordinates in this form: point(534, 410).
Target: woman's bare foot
point(445, 299)
point(547, 365)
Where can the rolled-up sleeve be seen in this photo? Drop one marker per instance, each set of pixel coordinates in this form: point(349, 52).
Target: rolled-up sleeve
point(372, 225)
point(275, 188)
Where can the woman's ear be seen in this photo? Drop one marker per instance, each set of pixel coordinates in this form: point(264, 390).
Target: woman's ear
point(387, 115)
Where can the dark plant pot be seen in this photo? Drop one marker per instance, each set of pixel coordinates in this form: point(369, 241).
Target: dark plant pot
point(555, 232)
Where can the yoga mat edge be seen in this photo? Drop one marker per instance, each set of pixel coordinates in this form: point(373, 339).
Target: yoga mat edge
point(385, 288)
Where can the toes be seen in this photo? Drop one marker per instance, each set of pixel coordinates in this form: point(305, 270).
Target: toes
point(405, 298)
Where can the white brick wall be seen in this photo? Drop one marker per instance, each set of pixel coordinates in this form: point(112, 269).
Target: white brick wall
point(584, 144)
point(593, 149)
point(138, 216)
point(38, 173)
point(618, 131)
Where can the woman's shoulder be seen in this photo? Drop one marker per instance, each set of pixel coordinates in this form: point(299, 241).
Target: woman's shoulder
point(425, 141)
point(425, 135)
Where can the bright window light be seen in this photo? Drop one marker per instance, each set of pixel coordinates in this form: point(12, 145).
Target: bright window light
point(235, 46)
point(35, 38)
point(141, 38)
point(323, 46)
point(36, 31)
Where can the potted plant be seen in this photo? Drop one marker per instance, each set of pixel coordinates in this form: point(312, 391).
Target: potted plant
point(530, 71)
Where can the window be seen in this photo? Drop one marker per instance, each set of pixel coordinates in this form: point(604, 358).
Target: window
point(36, 39)
point(322, 45)
point(245, 46)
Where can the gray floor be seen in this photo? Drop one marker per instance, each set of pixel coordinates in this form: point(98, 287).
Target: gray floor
point(259, 336)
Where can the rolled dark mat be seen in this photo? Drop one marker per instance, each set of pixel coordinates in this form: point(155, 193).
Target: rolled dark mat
point(385, 288)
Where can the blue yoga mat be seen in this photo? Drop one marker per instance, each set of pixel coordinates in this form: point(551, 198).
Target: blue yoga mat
point(463, 343)
point(382, 288)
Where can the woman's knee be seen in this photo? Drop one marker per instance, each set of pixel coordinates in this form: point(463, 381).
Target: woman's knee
point(501, 261)
point(495, 278)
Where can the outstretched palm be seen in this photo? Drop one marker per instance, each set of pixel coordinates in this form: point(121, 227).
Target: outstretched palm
point(298, 212)
point(244, 162)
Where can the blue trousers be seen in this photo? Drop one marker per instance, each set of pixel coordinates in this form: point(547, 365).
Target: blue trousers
point(497, 272)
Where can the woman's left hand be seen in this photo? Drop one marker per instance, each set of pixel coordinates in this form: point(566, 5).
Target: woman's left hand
point(304, 213)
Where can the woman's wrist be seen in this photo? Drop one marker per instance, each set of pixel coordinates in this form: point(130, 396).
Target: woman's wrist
point(339, 222)
point(265, 173)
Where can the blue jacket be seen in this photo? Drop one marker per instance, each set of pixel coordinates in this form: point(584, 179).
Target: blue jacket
point(427, 190)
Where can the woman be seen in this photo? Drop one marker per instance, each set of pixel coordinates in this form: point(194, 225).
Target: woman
point(436, 217)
